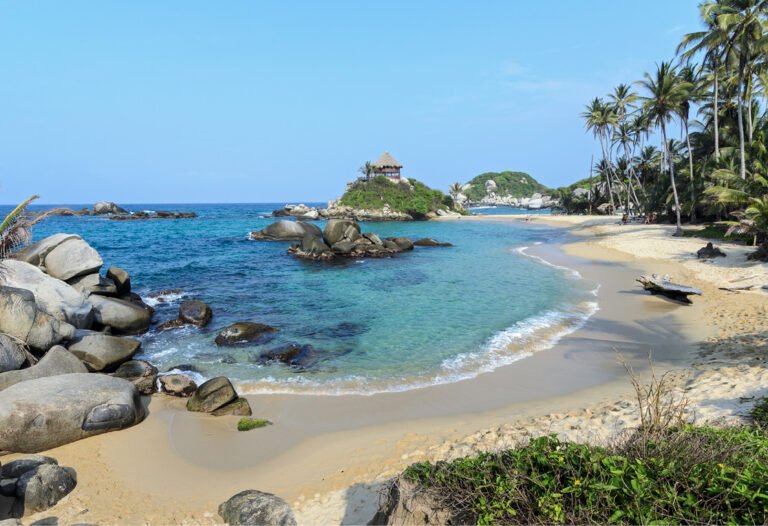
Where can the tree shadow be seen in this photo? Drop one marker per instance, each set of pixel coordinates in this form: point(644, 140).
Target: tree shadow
point(362, 503)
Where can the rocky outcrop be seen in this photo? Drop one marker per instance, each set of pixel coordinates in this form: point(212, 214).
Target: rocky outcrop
point(107, 207)
point(52, 295)
point(285, 230)
point(36, 253)
point(336, 211)
point(56, 361)
point(238, 407)
point(21, 318)
point(195, 312)
point(34, 483)
point(140, 373)
point(338, 230)
point(41, 414)
point(535, 202)
point(429, 242)
point(122, 316)
point(710, 252)
point(177, 385)
point(405, 505)
point(12, 355)
point(256, 507)
point(244, 332)
point(137, 216)
point(102, 352)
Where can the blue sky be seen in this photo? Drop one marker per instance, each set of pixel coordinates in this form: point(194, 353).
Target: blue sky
point(245, 101)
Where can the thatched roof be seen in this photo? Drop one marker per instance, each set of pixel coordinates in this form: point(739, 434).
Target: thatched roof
point(387, 161)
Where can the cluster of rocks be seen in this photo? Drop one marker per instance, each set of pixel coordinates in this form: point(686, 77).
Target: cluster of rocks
point(709, 252)
point(337, 211)
point(61, 321)
point(340, 238)
point(33, 484)
point(103, 208)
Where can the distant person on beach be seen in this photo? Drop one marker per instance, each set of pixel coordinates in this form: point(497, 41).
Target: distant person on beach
point(624, 219)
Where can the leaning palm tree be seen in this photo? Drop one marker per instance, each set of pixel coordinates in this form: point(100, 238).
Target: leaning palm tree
point(599, 118)
point(16, 228)
point(665, 93)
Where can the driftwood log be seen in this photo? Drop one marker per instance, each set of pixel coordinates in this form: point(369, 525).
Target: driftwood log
point(657, 285)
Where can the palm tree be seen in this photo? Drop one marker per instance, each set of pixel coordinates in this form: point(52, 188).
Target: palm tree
point(689, 76)
point(16, 228)
point(599, 117)
point(711, 42)
point(366, 169)
point(665, 93)
point(742, 22)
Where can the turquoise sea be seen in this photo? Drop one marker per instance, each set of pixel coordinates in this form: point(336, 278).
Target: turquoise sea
point(429, 316)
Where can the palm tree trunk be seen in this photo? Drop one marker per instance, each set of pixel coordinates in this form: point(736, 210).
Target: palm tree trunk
point(690, 167)
point(679, 226)
point(608, 179)
point(740, 112)
point(750, 124)
point(716, 109)
point(589, 195)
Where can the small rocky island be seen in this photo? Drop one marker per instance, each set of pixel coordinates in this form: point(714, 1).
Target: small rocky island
point(513, 189)
point(341, 238)
point(108, 208)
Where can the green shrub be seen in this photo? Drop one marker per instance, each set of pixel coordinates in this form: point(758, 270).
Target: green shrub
point(246, 423)
point(759, 412)
point(717, 231)
point(415, 199)
point(690, 475)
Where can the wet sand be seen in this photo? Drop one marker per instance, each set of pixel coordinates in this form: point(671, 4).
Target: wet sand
point(325, 454)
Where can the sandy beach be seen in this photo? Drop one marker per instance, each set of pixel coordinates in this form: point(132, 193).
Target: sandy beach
point(328, 455)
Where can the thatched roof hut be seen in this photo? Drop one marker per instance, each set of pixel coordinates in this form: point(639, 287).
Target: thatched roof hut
point(387, 165)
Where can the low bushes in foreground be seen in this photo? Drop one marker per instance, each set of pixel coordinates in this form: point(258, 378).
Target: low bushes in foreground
point(687, 475)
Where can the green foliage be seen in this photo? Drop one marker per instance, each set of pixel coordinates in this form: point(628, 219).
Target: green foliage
point(717, 231)
point(690, 475)
point(246, 423)
point(759, 413)
point(515, 184)
point(415, 198)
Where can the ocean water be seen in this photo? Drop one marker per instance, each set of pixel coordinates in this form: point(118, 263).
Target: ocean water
point(429, 316)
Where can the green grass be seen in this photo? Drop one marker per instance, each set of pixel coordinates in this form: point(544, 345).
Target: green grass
point(515, 184)
point(717, 231)
point(246, 423)
point(693, 475)
point(416, 199)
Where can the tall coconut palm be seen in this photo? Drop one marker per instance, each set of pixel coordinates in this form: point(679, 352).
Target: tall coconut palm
point(712, 43)
point(599, 117)
point(689, 76)
point(742, 21)
point(366, 169)
point(665, 93)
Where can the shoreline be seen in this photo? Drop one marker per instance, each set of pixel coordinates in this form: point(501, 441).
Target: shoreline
point(325, 455)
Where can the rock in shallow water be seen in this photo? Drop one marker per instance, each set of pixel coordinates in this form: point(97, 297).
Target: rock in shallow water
point(177, 385)
point(195, 312)
point(244, 332)
point(257, 507)
point(123, 316)
point(44, 413)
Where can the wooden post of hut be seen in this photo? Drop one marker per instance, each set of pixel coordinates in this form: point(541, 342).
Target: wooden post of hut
point(388, 166)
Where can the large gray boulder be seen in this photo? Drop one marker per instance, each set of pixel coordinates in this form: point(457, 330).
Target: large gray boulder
point(94, 284)
point(340, 230)
point(257, 507)
point(57, 361)
point(21, 318)
point(41, 414)
point(12, 356)
point(35, 253)
point(212, 395)
point(52, 295)
point(123, 316)
point(177, 385)
point(285, 230)
point(102, 352)
point(74, 257)
point(41, 488)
